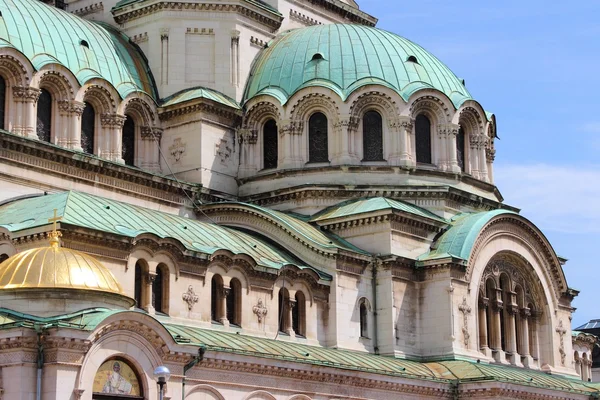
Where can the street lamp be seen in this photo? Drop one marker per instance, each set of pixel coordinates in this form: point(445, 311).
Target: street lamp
point(161, 376)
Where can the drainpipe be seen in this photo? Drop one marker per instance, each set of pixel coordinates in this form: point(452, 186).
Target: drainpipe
point(374, 266)
point(454, 389)
point(195, 361)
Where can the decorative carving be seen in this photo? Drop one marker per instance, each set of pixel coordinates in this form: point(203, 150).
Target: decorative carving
point(294, 127)
point(223, 150)
point(190, 297)
point(260, 310)
point(561, 330)
point(490, 155)
point(71, 107)
point(164, 34)
point(259, 112)
point(99, 95)
point(177, 149)
point(26, 94)
point(431, 105)
point(314, 102)
point(18, 73)
point(151, 133)
point(465, 309)
point(248, 135)
point(304, 19)
point(112, 120)
point(58, 83)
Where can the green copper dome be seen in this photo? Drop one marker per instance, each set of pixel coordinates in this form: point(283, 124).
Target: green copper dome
point(346, 57)
point(45, 34)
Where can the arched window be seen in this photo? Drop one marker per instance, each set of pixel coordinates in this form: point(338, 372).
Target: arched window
point(160, 287)
point(234, 303)
point(507, 317)
point(270, 146)
point(116, 379)
point(372, 136)
point(88, 128)
point(137, 291)
point(216, 299)
point(423, 139)
point(460, 149)
point(283, 310)
point(2, 101)
point(364, 327)
point(318, 150)
point(128, 141)
point(44, 116)
point(299, 315)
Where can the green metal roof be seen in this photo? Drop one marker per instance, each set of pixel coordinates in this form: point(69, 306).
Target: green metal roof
point(105, 215)
point(369, 205)
point(458, 241)
point(200, 93)
point(46, 34)
point(236, 343)
point(352, 56)
point(297, 226)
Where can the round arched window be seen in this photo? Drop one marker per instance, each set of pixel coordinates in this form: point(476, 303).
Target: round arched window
point(116, 379)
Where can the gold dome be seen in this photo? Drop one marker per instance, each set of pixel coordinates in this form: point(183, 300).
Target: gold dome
point(55, 267)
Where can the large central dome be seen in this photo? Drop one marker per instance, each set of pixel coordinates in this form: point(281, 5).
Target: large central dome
point(346, 57)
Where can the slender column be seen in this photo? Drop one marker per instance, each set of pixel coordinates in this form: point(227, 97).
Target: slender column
point(525, 315)
point(343, 129)
point(490, 156)
point(578, 368)
point(451, 133)
point(150, 158)
point(290, 132)
point(148, 295)
point(585, 370)
point(289, 325)
point(441, 152)
point(72, 111)
point(223, 305)
point(481, 153)
point(496, 341)
point(534, 335)
point(483, 333)
point(235, 43)
point(112, 135)
point(27, 98)
point(511, 331)
point(474, 160)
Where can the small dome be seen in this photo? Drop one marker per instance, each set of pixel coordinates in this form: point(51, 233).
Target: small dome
point(345, 57)
point(56, 267)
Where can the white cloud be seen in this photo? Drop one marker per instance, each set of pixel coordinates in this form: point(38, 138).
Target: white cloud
point(556, 198)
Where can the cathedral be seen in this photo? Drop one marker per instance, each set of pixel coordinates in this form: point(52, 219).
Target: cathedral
point(272, 199)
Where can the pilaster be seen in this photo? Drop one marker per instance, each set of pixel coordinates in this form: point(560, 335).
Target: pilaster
point(26, 99)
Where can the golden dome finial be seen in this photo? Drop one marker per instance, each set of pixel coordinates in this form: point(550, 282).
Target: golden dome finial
point(55, 235)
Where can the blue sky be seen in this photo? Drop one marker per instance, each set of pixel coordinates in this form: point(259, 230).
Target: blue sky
point(536, 65)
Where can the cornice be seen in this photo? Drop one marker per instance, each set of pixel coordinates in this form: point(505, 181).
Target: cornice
point(201, 106)
point(243, 8)
point(407, 223)
point(347, 12)
point(69, 164)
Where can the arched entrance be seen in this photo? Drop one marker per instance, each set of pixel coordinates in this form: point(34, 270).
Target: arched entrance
point(116, 380)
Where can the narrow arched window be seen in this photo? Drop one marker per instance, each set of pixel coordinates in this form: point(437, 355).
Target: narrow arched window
point(137, 291)
point(364, 328)
point(128, 141)
point(460, 149)
point(299, 315)
point(505, 287)
point(88, 128)
point(44, 116)
point(2, 101)
point(423, 139)
point(3, 257)
point(490, 293)
point(234, 303)
point(270, 146)
point(216, 298)
point(157, 291)
point(372, 136)
point(283, 310)
point(318, 150)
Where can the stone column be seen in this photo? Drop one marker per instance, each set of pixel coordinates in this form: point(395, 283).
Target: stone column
point(481, 154)
point(149, 157)
point(111, 146)
point(440, 149)
point(533, 339)
point(585, 367)
point(148, 295)
point(289, 134)
point(451, 134)
point(474, 161)
point(496, 342)
point(342, 131)
point(26, 99)
point(289, 324)
point(72, 111)
point(578, 368)
point(400, 132)
point(223, 305)
point(525, 354)
point(490, 156)
point(483, 333)
point(511, 330)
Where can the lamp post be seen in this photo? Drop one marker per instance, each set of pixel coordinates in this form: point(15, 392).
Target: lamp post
point(161, 375)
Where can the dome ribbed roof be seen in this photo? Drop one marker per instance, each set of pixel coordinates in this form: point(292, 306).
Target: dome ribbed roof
point(45, 34)
point(346, 57)
point(56, 267)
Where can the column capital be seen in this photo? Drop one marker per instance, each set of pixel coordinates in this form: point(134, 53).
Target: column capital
point(71, 107)
point(484, 302)
point(151, 133)
point(347, 121)
point(497, 305)
point(248, 135)
point(112, 120)
point(292, 127)
point(512, 309)
point(26, 94)
point(525, 312)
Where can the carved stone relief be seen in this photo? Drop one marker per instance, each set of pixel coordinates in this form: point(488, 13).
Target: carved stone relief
point(190, 297)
